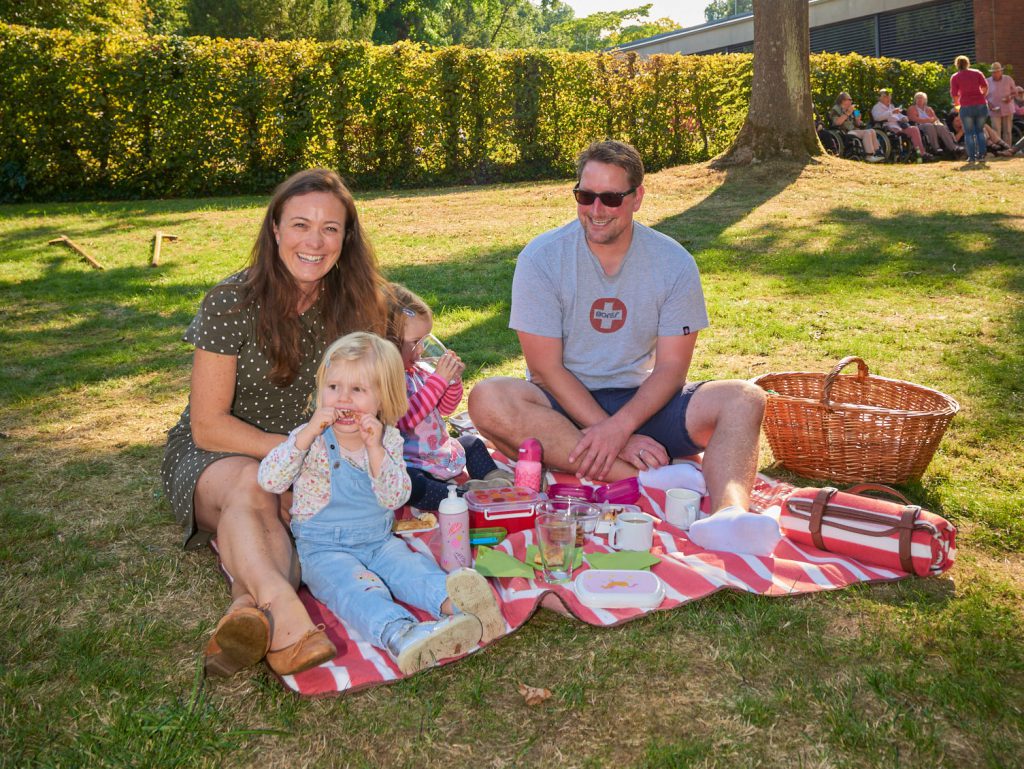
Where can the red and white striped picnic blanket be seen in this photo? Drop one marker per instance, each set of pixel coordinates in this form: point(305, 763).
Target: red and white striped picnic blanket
point(688, 572)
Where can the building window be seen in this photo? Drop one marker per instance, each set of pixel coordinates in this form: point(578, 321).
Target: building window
point(938, 31)
point(934, 32)
point(853, 36)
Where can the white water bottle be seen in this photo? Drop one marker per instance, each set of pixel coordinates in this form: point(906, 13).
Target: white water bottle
point(453, 521)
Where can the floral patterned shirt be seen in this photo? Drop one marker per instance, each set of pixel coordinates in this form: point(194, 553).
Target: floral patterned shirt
point(308, 473)
point(428, 446)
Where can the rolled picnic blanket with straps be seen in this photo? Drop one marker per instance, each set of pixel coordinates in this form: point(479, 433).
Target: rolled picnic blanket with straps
point(874, 531)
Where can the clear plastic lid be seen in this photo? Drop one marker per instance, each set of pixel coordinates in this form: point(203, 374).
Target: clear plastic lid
point(619, 589)
point(504, 500)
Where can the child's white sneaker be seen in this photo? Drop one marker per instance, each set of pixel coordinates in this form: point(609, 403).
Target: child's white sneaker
point(419, 645)
point(471, 594)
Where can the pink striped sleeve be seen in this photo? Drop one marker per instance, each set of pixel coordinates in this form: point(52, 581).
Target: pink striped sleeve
point(451, 399)
point(422, 402)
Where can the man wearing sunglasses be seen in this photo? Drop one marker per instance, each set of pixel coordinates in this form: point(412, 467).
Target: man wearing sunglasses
point(607, 311)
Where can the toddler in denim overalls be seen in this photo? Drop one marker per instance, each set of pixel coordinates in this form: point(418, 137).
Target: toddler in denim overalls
point(346, 470)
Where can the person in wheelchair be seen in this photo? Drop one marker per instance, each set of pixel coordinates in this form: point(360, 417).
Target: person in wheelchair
point(895, 122)
point(935, 132)
point(1017, 129)
point(993, 144)
point(845, 117)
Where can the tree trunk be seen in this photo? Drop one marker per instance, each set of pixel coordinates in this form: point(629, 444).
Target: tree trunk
point(780, 121)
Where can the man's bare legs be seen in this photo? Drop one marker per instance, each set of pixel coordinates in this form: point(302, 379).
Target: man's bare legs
point(508, 411)
point(723, 416)
point(254, 544)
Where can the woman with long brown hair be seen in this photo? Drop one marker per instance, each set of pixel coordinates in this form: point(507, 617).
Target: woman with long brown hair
point(259, 336)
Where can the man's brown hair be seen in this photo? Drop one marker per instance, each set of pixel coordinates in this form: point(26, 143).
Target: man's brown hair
point(613, 153)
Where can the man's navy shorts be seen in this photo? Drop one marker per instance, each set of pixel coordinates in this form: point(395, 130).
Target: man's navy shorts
point(667, 427)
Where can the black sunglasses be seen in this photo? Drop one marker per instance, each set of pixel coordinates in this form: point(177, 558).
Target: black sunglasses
point(608, 199)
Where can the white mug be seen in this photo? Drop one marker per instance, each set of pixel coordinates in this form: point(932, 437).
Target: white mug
point(632, 531)
point(682, 507)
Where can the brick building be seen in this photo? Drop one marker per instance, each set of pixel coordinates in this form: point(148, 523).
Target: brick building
point(917, 30)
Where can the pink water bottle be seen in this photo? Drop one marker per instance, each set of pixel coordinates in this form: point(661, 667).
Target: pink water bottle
point(453, 521)
point(529, 470)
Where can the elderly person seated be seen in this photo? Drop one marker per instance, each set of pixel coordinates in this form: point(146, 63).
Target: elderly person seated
point(845, 116)
point(928, 123)
point(993, 144)
point(896, 122)
point(1018, 102)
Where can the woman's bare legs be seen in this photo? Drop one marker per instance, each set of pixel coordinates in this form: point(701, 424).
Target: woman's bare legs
point(254, 544)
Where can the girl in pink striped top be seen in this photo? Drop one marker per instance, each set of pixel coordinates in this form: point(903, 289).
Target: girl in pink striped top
point(433, 458)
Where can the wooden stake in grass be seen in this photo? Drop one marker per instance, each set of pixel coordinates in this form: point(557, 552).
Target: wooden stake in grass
point(65, 240)
point(160, 236)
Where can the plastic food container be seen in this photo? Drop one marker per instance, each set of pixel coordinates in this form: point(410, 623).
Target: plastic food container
point(619, 589)
point(625, 491)
point(510, 507)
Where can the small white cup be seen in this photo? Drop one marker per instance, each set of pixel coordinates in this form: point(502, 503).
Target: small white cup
point(632, 531)
point(682, 507)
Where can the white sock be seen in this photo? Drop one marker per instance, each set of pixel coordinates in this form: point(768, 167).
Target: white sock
point(684, 476)
point(732, 530)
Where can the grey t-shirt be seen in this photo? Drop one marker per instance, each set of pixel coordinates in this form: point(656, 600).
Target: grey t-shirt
point(609, 324)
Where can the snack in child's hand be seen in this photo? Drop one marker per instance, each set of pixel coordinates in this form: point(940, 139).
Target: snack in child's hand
point(428, 521)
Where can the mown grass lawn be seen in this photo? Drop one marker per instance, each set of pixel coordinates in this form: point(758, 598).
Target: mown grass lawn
point(919, 270)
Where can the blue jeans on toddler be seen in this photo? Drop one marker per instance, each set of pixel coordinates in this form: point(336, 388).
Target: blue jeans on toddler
point(354, 564)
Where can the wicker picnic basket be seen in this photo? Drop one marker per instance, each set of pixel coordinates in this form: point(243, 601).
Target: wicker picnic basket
point(853, 428)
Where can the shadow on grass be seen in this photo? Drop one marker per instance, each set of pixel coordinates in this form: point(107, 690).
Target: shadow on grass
point(891, 284)
point(71, 327)
point(65, 330)
point(741, 192)
point(170, 210)
point(117, 211)
point(880, 260)
point(129, 321)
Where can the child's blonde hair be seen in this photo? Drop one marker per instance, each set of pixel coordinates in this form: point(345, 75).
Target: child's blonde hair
point(402, 305)
point(381, 363)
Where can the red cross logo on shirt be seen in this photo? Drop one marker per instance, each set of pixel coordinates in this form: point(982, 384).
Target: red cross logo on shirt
point(607, 315)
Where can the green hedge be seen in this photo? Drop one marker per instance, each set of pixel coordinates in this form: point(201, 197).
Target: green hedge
point(135, 116)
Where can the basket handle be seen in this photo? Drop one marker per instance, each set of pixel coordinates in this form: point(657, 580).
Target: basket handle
point(862, 372)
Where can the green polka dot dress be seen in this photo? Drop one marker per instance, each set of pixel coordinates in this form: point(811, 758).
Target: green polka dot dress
point(221, 328)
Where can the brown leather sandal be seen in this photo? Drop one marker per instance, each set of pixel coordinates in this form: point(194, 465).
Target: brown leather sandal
point(312, 649)
point(241, 638)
